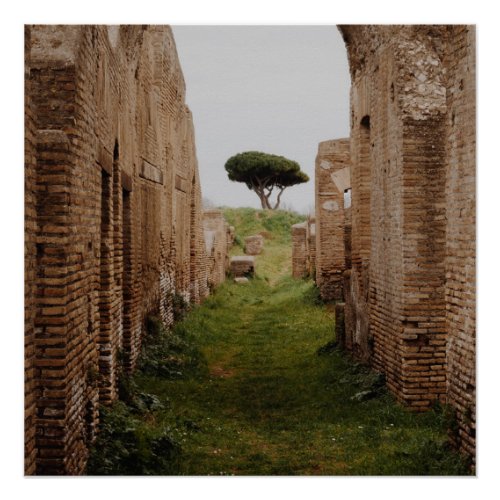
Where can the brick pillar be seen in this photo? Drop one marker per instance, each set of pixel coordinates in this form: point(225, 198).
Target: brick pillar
point(332, 179)
point(300, 261)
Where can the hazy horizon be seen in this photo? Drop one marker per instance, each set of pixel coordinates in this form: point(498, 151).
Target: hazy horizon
point(277, 89)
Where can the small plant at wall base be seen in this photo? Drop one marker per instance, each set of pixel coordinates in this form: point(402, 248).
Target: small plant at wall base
point(128, 445)
point(167, 353)
point(263, 172)
point(140, 434)
point(180, 306)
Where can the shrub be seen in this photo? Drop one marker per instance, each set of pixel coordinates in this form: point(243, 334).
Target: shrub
point(126, 445)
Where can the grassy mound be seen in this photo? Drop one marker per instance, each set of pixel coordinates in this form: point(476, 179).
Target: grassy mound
point(275, 225)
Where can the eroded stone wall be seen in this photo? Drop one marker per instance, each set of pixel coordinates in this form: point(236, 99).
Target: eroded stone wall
point(410, 291)
point(113, 221)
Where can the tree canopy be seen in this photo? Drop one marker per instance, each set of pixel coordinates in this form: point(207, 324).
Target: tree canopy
point(263, 172)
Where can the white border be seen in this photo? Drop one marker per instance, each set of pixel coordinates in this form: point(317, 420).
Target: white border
point(245, 12)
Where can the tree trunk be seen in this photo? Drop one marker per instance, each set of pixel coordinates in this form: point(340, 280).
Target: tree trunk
point(263, 200)
point(278, 199)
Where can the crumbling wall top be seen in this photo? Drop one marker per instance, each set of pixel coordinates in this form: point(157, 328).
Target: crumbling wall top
point(333, 145)
point(416, 52)
point(55, 44)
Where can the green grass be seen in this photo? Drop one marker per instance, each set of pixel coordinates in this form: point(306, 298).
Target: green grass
point(249, 221)
point(249, 383)
point(275, 225)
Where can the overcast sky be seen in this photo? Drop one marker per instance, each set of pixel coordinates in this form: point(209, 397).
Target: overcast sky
point(277, 89)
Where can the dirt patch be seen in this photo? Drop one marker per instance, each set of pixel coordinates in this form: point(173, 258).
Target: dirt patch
point(221, 372)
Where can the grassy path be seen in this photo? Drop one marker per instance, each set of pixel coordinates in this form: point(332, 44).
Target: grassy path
point(243, 390)
point(269, 404)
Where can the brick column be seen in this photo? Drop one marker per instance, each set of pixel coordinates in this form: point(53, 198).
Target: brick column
point(332, 179)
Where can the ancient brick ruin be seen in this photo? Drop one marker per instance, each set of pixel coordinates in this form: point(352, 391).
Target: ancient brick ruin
point(332, 180)
point(219, 237)
point(311, 242)
point(409, 237)
point(115, 231)
point(304, 248)
point(242, 266)
point(114, 228)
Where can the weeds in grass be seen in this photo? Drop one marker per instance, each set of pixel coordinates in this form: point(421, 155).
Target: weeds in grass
point(276, 223)
point(128, 445)
point(251, 382)
point(170, 354)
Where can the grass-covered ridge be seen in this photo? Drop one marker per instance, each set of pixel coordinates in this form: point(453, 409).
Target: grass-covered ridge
point(249, 383)
point(275, 226)
point(277, 223)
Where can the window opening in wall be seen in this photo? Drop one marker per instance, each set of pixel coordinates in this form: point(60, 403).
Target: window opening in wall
point(105, 271)
point(192, 242)
point(117, 241)
point(127, 275)
point(364, 189)
point(117, 236)
point(90, 424)
point(347, 198)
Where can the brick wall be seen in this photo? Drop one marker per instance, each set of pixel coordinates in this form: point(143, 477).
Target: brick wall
point(460, 269)
point(311, 242)
point(218, 240)
point(30, 230)
point(410, 291)
point(113, 221)
point(332, 179)
point(300, 250)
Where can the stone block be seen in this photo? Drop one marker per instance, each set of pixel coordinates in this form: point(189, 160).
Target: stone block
point(254, 244)
point(241, 280)
point(242, 266)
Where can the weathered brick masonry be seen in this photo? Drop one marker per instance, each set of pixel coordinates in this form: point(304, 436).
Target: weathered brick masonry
point(113, 221)
point(304, 248)
point(300, 257)
point(311, 221)
point(30, 228)
point(332, 180)
point(460, 271)
point(410, 291)
point(218, 234)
